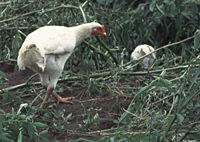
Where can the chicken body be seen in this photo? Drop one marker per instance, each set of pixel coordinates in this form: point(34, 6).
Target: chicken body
point(46, 50)
point(142, 50)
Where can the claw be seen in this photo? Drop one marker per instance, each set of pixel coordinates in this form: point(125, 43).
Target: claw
point(65, 100)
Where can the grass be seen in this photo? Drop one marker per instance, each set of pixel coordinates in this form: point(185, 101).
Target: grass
point(115, 102)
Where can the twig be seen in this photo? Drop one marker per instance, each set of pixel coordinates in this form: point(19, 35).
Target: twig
point(109, 51)
point(29, 79)
point(188, 131)
point(94, 49)
point(84, 4)
point(17, 86)
point(37, 96)
point(171, 122)
point(157, 71)
point(22, 33)
point(139, 117)
point(107, 132)
point(38, 11)
point(83, 14)
point(74, 78)
point(9, 60)
point(19, 28)
point(94, 99)
point(100, 132)
point(96, 75)
point(4, 3)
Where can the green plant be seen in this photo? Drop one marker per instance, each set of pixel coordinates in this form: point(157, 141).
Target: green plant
point(160, 104)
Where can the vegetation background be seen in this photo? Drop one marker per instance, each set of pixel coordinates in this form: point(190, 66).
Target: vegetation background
point(115, 103)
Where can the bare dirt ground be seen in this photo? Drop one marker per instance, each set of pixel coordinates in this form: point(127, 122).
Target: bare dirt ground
point(105, 104)
point(13, 77)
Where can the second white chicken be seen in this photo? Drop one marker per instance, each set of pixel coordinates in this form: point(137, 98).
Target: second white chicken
point(142, 50)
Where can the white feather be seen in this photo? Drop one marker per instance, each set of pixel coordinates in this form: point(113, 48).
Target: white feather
point(142, 50)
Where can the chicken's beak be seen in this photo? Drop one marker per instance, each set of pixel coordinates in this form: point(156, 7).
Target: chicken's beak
point(104, 34)
point(103, 30)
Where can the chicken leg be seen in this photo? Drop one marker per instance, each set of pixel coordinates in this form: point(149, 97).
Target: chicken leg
point(49, 91)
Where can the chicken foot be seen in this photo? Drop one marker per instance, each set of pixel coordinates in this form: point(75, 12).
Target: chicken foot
point(61, 99)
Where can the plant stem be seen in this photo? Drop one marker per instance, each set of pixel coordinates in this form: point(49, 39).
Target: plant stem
point(38, 11)
point(109, 51)
point(95, 75)
point(94, 48)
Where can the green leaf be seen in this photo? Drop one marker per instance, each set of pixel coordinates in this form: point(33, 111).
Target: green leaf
point(19, 139)
point(1, 124)
point(4, 137)
point(105, 2)
point(152, 6)
point(195, 136)
point(40, 125)
point(2, 111)
point(44, 132)
point(16, 41)
point(180, 117)
point(31, 130)
point(160, 9)
point(21, 107)
point(197, 39)
point(165, 83)
point(112, 139)
point(83, 140)
point(54, 140)
point(69, 116)
point(43, 139)
point(145, 89)
point(2, 73)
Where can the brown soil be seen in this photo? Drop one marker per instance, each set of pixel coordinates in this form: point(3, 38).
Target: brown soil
point(106, 105)
point(13, 77)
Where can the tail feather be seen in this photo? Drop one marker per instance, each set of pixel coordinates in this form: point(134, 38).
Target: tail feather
point(29, 56)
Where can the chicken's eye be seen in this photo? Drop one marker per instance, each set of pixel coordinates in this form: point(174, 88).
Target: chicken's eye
point(95, 29)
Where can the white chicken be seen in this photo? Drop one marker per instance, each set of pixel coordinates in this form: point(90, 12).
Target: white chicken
point(142, 50)
point(46, 50)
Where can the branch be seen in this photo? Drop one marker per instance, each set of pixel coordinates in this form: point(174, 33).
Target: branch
point(73, 78)
point(82, 12)
point(94, 49)
point(84, 4)
point(96, 75)
point(158, 71)
point(4, 3)
point(19, 28)
point(38, 11)
point(188, 131)
point(109, 51)
point(9, 61)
